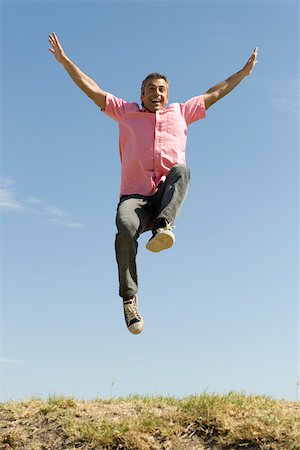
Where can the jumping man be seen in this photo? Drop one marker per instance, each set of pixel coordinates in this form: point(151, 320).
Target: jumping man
point(154, 175)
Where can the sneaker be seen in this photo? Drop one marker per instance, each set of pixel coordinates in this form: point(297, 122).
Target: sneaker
point(133, 319)
point(162, 239)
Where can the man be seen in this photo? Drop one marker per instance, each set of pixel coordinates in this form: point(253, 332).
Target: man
point(154, 175)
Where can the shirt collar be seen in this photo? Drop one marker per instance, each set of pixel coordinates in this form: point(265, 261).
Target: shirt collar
point(143, 109)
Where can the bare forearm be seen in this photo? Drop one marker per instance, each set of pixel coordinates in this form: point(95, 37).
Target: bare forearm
point(221, 89)
point(85, 83)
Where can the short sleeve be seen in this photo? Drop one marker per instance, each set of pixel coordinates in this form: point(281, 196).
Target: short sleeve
point(193, 109)
point(119, 109)
point(114, 107)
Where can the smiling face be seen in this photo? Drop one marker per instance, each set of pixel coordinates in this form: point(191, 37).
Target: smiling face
point(155, 94)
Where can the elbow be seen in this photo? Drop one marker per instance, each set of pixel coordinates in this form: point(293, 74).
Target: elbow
point(99, 98)
point(210, 99)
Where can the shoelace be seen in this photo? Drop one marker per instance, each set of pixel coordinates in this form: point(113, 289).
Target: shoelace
point(169, 226)
point(131, 312)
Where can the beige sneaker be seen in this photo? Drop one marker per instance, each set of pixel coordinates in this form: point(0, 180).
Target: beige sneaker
point(162, 239)
point(133, 319)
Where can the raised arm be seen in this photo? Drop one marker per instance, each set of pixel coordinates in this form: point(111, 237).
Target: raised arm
point(220, 90)
point(86, 84)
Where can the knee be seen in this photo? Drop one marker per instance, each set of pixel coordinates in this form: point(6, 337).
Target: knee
point(182, 171)
point(126, 230)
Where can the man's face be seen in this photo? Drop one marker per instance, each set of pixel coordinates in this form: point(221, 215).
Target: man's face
point(155, 95)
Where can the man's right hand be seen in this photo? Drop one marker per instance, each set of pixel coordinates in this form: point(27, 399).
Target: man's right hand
point(56, 49)
point(83, 81)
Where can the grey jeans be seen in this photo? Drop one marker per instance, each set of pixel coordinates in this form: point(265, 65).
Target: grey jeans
point(137, 214)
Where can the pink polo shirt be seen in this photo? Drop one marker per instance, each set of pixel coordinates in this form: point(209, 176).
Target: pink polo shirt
point(151, 143)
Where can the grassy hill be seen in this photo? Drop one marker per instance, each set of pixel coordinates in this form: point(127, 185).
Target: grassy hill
point(204, 422)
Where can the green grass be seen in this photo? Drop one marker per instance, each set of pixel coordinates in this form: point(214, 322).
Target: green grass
point(233, 421)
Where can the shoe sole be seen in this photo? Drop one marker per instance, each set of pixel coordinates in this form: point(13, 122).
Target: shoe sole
point(161, 241)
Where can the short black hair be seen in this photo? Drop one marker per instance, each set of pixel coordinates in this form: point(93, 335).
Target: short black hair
point(155, 76)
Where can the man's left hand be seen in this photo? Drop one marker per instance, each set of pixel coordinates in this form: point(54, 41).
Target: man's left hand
point(247, 69)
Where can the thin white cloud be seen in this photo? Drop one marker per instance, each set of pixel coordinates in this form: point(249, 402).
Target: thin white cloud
point(33, 205)
point(34, 200)
point(60, 217)
point(286, 104)
point(9, 361)
point(8, 199)
point(65, 223)
point(285, 95)
point(53, 211)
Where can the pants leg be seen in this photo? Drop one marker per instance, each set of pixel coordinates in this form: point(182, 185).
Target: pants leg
point(133, 218)
point(171, 194)
point(136, 214)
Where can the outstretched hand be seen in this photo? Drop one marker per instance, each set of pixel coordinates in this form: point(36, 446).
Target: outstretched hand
point(56, 48)
point(251, 62)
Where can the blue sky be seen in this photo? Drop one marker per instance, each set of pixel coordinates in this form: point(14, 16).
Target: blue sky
point(220, 308)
